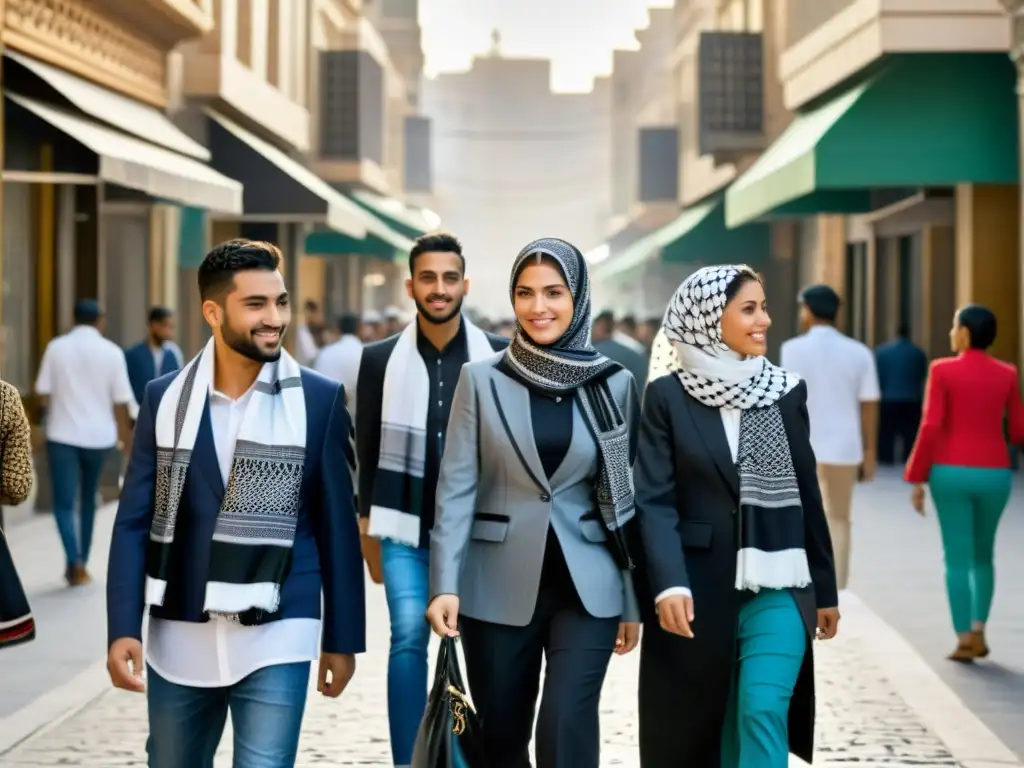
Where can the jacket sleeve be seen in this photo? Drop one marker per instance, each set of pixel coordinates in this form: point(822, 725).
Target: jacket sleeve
point(631, 610)
point(654, 475)
point(1015, 410)
point(369, 392)
point(457, 485)
point(341, 560)
point(817, 540)
point(126, 570)
point(16, 480)
point(919, 465)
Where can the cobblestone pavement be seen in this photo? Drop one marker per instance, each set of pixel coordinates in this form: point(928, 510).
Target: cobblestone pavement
point(879, 705)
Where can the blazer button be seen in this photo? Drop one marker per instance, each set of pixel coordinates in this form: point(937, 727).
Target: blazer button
point(545, 497)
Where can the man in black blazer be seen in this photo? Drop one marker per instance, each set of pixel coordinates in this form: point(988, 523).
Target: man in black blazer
point(404, 394)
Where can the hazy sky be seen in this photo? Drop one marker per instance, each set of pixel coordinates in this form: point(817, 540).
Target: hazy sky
point(577, 35)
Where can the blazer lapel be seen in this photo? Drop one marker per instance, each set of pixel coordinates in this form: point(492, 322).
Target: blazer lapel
point(709, 425)
point(512, 401)
point(204, 456)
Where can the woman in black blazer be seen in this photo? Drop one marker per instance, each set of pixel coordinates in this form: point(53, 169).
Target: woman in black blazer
point(738, 550)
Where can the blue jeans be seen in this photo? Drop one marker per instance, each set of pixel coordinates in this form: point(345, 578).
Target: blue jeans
point(186, 724)
point(406, 571)
point(75, 472)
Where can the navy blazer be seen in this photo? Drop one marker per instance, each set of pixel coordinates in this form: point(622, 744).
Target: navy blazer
point(141, 368)
point(326, 554)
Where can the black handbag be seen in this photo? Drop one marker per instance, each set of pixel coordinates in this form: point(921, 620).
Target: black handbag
point(449, 734)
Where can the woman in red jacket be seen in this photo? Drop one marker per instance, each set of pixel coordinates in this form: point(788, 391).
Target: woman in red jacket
point(961, 453)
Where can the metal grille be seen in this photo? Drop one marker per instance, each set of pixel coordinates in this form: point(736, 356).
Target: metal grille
point(339, 104)
point(730, 90)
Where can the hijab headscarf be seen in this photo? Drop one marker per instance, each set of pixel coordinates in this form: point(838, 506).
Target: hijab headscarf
point(571, 365)
point(710, 371)
point(770, 521)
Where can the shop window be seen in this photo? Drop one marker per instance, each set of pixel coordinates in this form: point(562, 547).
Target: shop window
point(126, 272)
point(18, 328)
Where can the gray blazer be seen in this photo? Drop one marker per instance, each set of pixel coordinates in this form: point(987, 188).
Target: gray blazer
point(491, 527)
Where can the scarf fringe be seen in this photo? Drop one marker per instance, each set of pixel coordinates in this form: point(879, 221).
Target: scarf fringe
point(227, 598)
point(394, 524)
point(757, 569)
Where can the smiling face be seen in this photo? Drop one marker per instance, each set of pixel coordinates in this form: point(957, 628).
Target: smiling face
point(542, 302)
point(253, 316)
point(437, 285)
point(745, 320)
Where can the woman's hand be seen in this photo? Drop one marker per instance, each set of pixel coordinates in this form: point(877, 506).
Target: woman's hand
point(443, 615)
point(629, 636)
point(828, 623)
point(917, 498)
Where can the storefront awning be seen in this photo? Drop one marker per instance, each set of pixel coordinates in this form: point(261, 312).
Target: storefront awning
point(328, 243)
point(142, 166)
point(109, 107)
point(699, 235)
point(393, 212)
point(278, 186)
point(921, 120)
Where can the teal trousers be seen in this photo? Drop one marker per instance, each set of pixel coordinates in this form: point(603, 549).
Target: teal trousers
point(969, 502)
point(771, 641)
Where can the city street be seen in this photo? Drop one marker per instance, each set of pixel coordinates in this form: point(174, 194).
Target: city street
point(886, 695)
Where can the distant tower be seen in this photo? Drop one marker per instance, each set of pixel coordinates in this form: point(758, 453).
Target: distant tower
point(496, 43)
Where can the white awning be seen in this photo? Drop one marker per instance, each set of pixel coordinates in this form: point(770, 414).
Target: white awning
point(138, 165)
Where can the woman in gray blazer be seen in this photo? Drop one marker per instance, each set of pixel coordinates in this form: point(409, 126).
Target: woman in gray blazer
point(529, 555)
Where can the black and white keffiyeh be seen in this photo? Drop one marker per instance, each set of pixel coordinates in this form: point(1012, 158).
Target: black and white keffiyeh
point(572, 365)
point(255, 529)
point(397, 503)
point(771, 551)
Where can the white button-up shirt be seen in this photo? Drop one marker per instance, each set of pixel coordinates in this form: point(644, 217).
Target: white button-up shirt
point(340, 361)
point(85, 375)
point(840, 373)
point(219, 652)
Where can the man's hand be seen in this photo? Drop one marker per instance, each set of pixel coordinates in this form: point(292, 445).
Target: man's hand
point(371, 551)
point(124, 665)
point(336, 670)
point(675, 614)
point(629, 636)
point(443, 615)
point(869, 466)
point(828, 623)
point(917, 498)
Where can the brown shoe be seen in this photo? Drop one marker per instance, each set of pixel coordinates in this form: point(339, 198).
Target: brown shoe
point(980, 646)
point(79, 576)
point(966, 651)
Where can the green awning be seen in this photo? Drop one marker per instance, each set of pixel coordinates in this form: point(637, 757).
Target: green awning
point(323, 242)
point(698, 234)
point(392, 212)
point(921, 120)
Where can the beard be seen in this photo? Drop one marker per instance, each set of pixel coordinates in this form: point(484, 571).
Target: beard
point(243, 343)
point(451, 311)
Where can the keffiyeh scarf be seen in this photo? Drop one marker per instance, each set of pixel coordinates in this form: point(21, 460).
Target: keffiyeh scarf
point(572, 365)
point(771, 551)
point(397, 504)
point(255, 529)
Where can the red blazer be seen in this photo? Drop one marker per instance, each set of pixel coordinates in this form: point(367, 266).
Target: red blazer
point(967, 399)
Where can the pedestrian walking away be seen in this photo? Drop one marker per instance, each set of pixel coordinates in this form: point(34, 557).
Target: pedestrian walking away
point(532, 551)
point(87, 400)
point(737, 545)
point(842, 403)
point(403, 401)
point(902, 370)
point(961, 455)
point(236, 520)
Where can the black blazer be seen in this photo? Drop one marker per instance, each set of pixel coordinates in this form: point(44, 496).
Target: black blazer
point(687, 491)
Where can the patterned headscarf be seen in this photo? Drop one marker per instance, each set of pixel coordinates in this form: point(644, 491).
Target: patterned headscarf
point(571, 361)
point(710, 371)
point(572, 364)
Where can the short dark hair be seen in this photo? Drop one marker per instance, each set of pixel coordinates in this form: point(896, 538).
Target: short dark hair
point(159, 314)
point(980, 322)
point(348, 323)
point(224, 261)
point(87, 312)
point(311, 305)
point(436, 242)
point(821, 301)
point(607, 316)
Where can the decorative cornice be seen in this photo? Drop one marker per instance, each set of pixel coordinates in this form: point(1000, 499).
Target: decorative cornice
point(68, 34)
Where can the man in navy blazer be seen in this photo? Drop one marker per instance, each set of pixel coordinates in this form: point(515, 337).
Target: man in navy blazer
point(154, 356)
point(232, 573)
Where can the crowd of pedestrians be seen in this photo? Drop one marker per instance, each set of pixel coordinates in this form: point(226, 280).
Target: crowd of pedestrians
point(542, 493)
